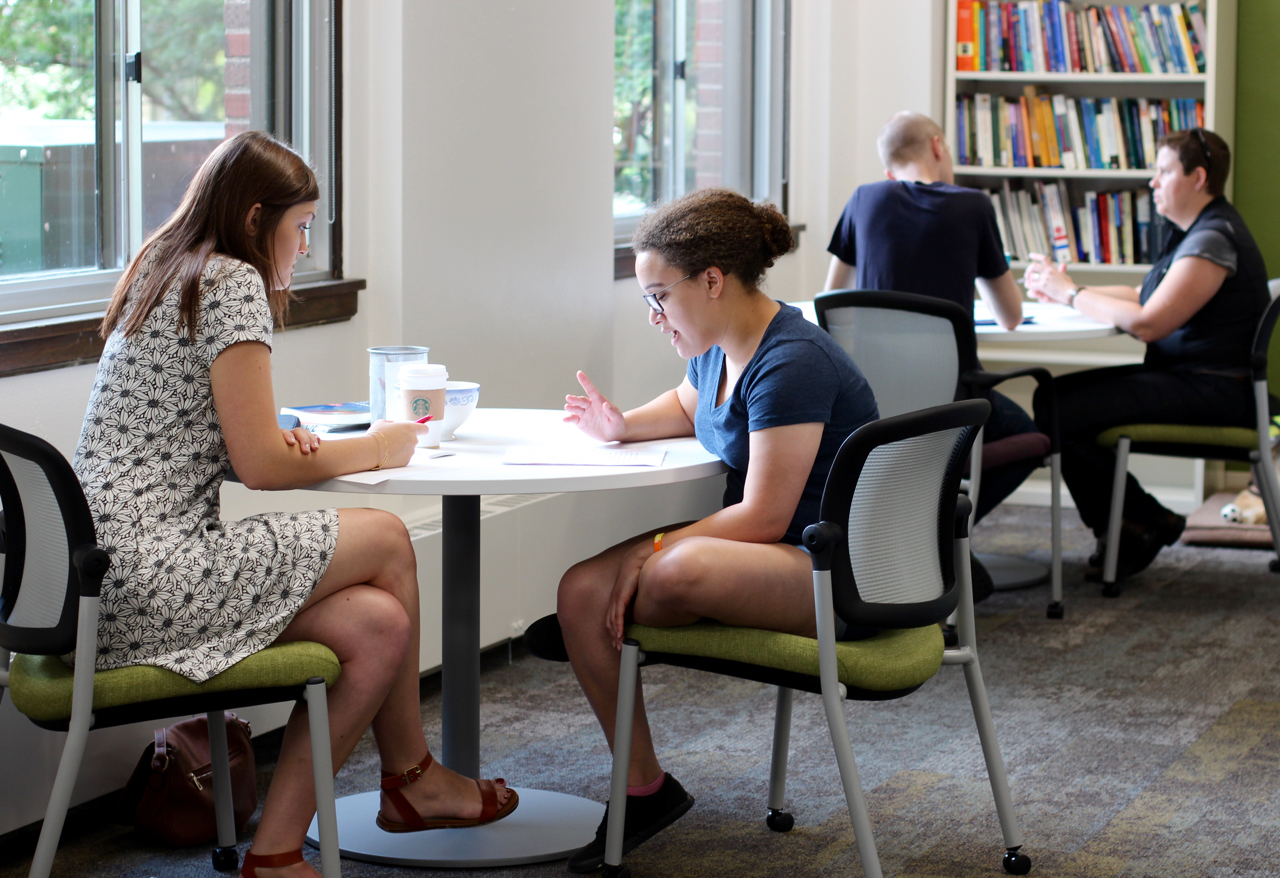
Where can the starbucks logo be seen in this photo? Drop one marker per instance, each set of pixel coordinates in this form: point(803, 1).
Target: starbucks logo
point(421, 407)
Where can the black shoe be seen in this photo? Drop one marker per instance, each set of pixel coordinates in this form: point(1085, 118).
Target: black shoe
point(545, 640)
point(983, 584)
point(1139, 545)
point(646, 817)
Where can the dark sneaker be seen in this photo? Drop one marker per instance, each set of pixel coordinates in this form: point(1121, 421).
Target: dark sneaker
point(1139, 545)
point(646, 817)
point(983, 585)
point(545, 640)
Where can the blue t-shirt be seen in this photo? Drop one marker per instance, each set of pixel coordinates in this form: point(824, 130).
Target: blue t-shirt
point(798, 375)
point(933, 239)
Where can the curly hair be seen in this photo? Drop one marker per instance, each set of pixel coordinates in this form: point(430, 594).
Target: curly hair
point(716, 227)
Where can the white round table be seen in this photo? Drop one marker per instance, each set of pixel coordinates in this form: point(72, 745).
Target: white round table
point(547, 825)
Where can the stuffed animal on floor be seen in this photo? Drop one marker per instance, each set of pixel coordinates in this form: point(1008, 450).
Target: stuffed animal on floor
point(1247, 508)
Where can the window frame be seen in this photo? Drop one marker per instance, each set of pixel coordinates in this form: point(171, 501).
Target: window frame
point(767, 110)
point(59, 295)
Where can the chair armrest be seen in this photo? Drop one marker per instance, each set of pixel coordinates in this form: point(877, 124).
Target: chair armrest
point(980, 379)
point(92, 564)
point(3, 533)
point(964, 508)
point(821, 540)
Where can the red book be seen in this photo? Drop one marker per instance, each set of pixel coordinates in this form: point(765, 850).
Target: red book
point(1121, 40)
point(1006, 34)
point(1073, 41)
point(1104, 226)
point(965, 57)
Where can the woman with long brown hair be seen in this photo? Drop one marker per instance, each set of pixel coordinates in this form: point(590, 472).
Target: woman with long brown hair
point(183, 392)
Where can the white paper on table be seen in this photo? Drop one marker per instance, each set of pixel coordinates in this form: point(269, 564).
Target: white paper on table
point(555, 455)
point(420, 467)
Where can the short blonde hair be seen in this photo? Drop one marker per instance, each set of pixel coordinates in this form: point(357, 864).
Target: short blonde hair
point(905, 138)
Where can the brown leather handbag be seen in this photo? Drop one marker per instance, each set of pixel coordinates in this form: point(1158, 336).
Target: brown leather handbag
point(170, 794)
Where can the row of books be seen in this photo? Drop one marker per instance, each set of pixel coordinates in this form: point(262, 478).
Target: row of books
point(1054, 37)
point(1055, 131)
point(1115, 228)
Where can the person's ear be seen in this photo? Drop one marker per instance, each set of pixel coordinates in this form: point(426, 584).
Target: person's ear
point(937, 147)
point(888, 173)
point(1202, 179)
point(251, 220)
point(714, 279)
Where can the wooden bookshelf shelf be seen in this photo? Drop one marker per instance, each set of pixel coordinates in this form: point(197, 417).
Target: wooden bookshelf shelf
point(1019, 265)
point(999, 172)
point(1080, 78)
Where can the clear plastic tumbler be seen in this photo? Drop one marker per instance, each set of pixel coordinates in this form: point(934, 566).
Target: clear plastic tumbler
point(384, 366)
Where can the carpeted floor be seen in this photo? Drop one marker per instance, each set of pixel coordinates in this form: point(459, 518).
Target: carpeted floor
point(1141, 735)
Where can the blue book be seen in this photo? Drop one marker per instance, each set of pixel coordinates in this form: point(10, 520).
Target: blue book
point(962, 140)
point(333, 414)
point(1089, 118)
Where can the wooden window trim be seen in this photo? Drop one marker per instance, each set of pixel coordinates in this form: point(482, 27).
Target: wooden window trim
point(75, 341)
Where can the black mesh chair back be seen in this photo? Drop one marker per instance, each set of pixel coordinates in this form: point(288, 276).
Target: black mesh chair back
point(892, 490)
point(912, 349)
point(47, 529)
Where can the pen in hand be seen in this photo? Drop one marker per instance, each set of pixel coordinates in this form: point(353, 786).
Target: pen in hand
point(424, 420)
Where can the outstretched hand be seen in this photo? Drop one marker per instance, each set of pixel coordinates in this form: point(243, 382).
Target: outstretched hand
point(1046, 282)
point(594, 415)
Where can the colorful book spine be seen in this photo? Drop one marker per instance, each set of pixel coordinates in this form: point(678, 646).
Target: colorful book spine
point(964, 36)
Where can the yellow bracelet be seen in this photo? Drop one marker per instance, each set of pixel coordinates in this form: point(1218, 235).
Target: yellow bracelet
point(386, 448)
point(657, 541)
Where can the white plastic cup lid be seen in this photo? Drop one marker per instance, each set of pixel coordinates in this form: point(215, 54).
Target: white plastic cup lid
point(423, 370)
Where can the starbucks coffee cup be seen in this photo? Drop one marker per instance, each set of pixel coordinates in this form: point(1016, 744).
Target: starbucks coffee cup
point(422, 393)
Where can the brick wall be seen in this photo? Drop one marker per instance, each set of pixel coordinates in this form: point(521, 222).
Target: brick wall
point(235, 16)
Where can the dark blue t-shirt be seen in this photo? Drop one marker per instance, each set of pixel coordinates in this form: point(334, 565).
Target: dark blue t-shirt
point(798, 375)
point(933, 239)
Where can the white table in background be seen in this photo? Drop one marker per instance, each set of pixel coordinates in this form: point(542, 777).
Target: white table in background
point(1051, 323)
point(547, 825)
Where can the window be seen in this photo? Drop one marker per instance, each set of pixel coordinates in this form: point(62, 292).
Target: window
point(699, 100)
point(108, 109)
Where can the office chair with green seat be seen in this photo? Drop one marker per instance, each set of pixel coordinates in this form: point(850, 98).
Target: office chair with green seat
point(1216, 443)
point(879, 563)
point(49, 598)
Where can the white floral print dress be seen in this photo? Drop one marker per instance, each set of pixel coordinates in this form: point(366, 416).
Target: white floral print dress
point(186, 591)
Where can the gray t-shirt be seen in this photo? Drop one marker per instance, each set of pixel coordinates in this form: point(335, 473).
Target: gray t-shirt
point(1209, 244)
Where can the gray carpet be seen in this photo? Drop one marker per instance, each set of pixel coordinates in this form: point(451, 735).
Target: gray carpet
point(1141, 735)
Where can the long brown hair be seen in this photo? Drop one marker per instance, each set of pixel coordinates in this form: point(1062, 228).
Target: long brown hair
point(250, 168)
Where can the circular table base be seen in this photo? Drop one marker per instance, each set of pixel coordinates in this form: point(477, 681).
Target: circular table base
point(546, 826)
point(1009, 573)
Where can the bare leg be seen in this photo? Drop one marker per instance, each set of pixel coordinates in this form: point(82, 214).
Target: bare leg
point(747, 584)
point(364, 608)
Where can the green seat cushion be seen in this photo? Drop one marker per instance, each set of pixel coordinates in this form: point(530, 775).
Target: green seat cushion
point(40, 685)
point(1181, 434)
point(889, 661)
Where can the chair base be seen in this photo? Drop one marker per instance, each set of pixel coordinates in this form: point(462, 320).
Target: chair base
point(1016, 862)
point(1055, 610)
point(226, 859)
point(779, 821)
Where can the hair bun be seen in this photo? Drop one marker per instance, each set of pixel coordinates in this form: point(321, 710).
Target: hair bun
point(777, 230)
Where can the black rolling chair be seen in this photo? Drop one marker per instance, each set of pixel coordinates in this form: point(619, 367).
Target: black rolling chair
point(920, 351)
point(53, 571)
point(879, 563)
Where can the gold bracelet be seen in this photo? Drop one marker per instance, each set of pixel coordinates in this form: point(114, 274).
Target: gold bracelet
point(657, 541)
point(386, 448)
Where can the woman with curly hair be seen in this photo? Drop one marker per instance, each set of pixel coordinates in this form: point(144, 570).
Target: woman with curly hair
point(766, 391)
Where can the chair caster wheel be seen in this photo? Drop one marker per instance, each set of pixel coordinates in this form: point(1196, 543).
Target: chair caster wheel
point(226, 859)
point(779, 821)
point(1016, 863)
point(618, 871)
point(1111, 589)
point(1054, 611)
point(1274, 566)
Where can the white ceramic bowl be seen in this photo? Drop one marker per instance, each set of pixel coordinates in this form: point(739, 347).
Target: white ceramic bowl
point(460, 398)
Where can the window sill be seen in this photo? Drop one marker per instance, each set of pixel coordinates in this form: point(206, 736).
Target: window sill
point(75, 341)
point(624, 258)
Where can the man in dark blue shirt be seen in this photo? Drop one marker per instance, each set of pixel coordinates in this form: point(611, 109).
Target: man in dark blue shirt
point(918, 232)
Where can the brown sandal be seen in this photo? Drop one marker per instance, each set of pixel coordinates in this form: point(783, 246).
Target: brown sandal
point(490, 810)
point(253, 861)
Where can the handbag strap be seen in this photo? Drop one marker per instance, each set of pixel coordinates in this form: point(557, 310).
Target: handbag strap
point(160, 757)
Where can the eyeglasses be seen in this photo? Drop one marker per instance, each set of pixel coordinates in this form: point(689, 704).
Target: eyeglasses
point(652, 300)
point(1204, 148)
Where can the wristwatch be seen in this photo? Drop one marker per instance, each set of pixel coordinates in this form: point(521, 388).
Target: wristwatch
point(1071, 298)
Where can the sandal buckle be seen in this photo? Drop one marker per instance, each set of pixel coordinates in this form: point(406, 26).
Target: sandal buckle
point(412, 774)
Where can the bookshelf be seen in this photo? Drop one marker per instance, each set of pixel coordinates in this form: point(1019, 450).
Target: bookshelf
point(1214, 86)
